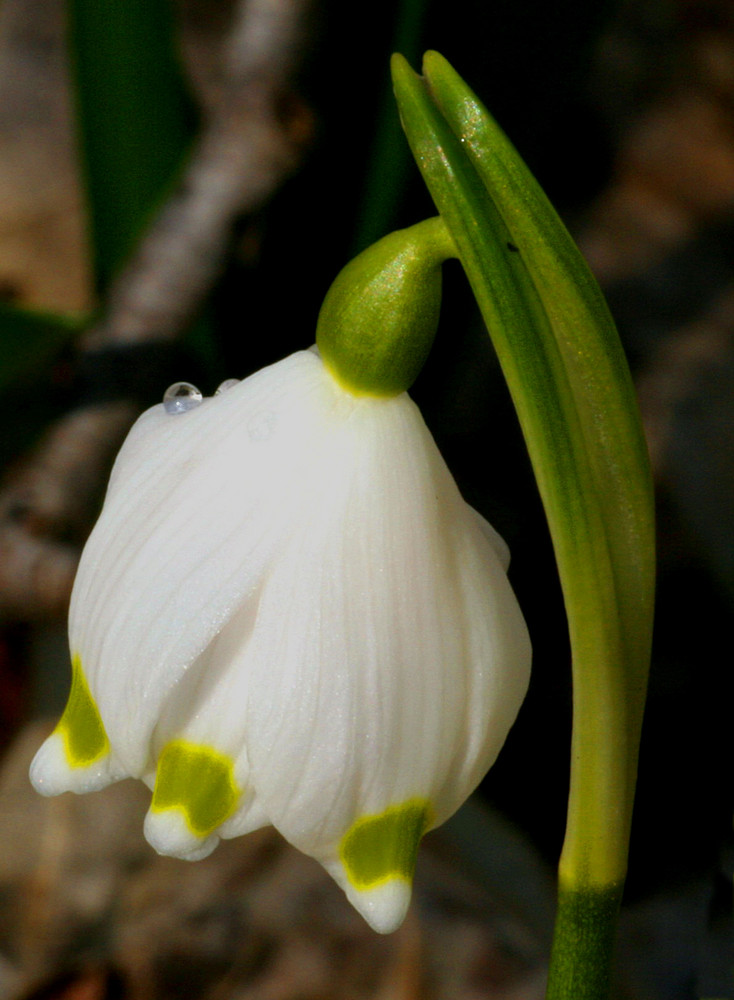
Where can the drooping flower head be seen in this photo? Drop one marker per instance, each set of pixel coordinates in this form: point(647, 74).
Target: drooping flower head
point(287, 614)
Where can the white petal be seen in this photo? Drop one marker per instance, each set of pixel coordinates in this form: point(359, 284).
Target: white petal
point(197, 504)
point(383, 907)
point(51, 773)
point(495, 539)
point(206, 712)
point(77, 756)
point(169, 834)
point(382, 644)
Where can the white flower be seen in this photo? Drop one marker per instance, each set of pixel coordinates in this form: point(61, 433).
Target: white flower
point(287, 614)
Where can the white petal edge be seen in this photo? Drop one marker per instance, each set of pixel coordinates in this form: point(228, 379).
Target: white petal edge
point(51, 773)
point(384, 906)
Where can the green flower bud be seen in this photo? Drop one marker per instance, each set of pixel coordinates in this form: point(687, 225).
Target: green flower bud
point(379, 317)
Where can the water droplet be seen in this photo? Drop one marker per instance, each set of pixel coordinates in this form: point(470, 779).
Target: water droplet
point(180, 397)
point(227, 384)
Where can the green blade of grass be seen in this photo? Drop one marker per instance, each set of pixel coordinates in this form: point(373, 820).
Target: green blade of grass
point(572, 391)
point(135, 120)
point(587, 341)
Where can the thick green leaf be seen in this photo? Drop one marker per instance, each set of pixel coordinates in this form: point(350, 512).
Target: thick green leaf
point(585, 334)
point(134, 117)
point(571, 388)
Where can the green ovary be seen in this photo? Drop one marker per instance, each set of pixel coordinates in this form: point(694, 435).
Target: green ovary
point(379, 848)
point(81, 728)
point(197, 780)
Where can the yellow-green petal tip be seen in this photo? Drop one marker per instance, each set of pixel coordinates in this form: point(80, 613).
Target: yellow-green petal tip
point(382, 847)
point(198, 781)
point(81, 728)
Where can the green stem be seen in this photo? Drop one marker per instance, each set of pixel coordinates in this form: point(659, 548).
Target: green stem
point(583, 943)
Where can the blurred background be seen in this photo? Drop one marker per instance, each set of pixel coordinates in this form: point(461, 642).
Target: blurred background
point(183, 222)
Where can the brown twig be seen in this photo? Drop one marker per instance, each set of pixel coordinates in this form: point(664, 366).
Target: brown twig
point(253, 140)
point(245, 153)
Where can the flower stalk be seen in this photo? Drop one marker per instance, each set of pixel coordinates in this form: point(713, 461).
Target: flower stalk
point(378, 320)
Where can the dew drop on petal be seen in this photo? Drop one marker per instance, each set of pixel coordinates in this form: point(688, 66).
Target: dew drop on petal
point(227, 384)
point(180, 397)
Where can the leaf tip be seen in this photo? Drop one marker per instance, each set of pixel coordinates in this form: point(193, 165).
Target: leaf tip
point(401, 69)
